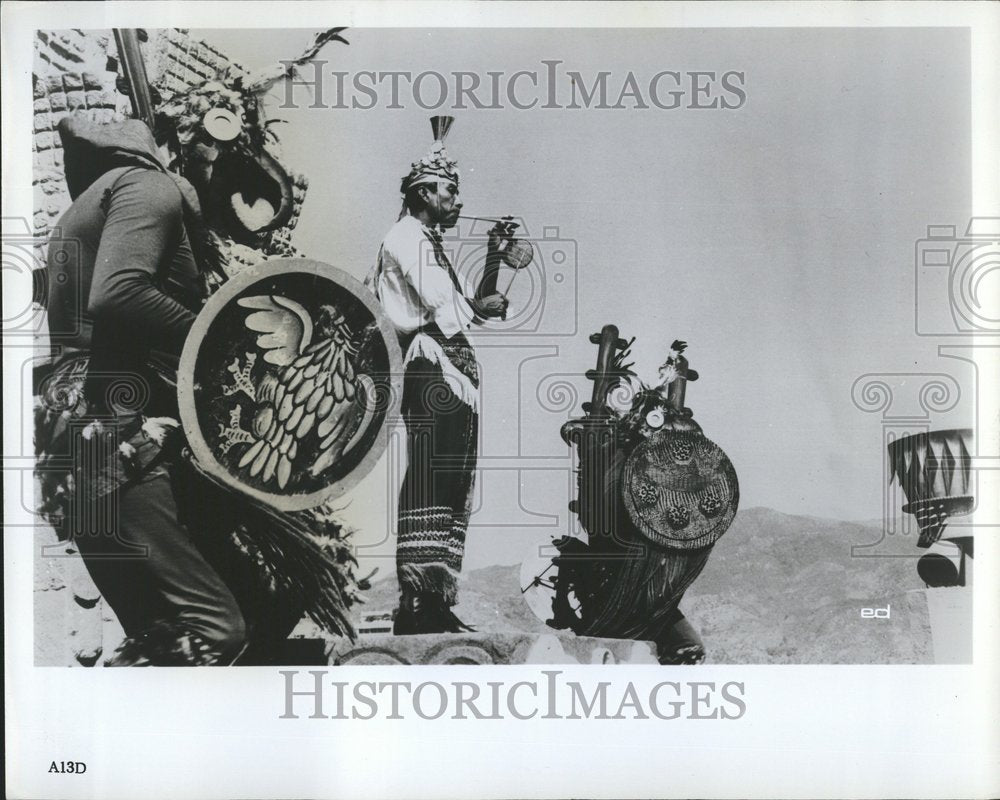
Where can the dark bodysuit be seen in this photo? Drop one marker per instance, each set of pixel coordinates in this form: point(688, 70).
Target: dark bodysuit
point(124, 288)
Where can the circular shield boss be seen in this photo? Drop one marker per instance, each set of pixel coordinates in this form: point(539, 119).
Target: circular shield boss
point(680, 489)
point(286, 382)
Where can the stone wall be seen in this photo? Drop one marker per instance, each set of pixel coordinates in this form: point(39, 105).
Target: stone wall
point(76, 71)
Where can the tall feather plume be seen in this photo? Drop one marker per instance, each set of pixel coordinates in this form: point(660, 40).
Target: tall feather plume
point(264, 80)
point(440, 126)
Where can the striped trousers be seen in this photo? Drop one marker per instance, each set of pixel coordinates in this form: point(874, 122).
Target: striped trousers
point(435, 499)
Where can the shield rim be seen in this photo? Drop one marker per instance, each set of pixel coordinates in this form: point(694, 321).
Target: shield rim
point(192, 345)
point(709, 537)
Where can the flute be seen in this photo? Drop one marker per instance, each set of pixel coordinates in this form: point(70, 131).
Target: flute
point(502, 221)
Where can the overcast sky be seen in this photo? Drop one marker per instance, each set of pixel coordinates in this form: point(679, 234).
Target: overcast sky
point(776, 239)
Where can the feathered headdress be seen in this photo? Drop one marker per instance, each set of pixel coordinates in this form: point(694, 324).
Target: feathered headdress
point(436, 165)
point(229, 108)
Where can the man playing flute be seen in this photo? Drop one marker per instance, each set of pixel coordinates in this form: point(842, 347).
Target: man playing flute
point(424, 298)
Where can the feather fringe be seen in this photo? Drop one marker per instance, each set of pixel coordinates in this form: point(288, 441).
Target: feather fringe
point(435, 579)
point(318, 577)
point(646, 593)
point(423, 346)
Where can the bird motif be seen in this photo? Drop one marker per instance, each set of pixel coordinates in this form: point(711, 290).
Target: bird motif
point(312, 394)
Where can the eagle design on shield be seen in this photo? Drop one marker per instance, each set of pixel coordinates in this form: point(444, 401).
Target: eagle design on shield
point(288, 382)
point(313, 390)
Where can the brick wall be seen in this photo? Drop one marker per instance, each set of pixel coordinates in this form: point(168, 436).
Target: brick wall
point(70, 76)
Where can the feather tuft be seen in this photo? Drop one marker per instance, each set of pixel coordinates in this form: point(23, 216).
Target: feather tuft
point(264, 80)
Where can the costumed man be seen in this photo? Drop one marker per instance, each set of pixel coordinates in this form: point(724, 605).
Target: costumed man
point(123, 276)
point(654, 495)
point(126, 278)
point(425, 300)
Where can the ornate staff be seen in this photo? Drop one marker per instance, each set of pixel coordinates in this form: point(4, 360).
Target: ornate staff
point(134, 72)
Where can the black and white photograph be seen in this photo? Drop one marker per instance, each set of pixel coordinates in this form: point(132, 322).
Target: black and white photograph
point(451, 366)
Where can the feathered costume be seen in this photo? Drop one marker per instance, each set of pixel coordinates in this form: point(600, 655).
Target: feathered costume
point(196, 573)
point(654, 496)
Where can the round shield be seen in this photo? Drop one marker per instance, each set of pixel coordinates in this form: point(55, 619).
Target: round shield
point(680, 489)
point(287, 381)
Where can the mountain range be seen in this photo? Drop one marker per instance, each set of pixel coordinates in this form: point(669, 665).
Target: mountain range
point(777, 589)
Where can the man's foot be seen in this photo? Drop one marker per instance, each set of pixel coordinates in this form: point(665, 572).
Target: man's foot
point(169, 646)
point(680, 644)
point(426, 613)
point(690, 654)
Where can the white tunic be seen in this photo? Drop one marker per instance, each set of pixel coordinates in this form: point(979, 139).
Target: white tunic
point(413, 287)
point(415, 290)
